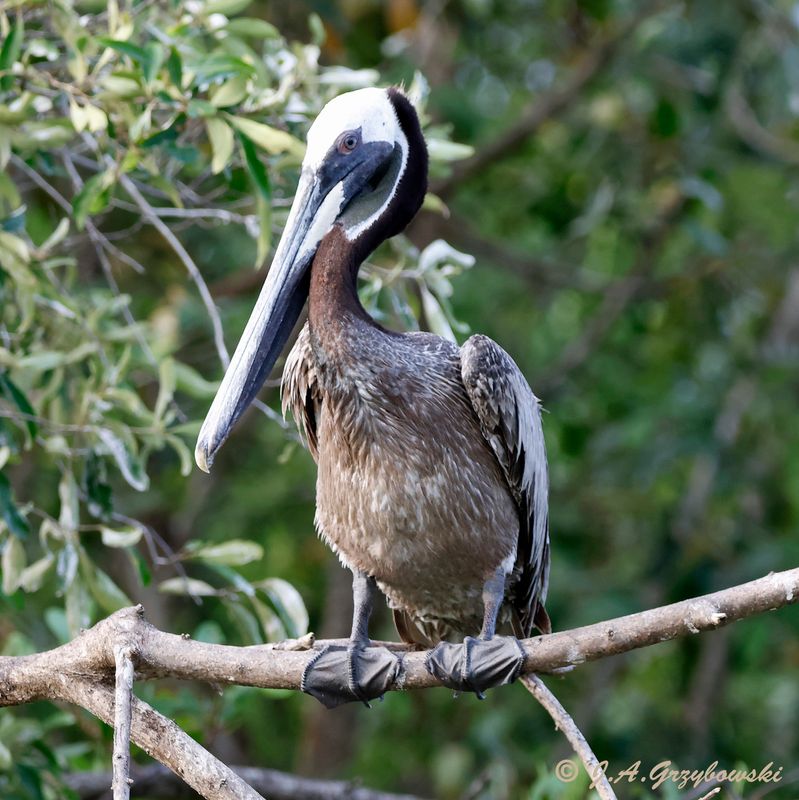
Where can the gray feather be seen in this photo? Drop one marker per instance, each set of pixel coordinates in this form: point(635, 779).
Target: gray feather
point(510, 419)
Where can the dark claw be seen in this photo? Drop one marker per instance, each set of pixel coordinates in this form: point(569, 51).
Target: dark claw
point(346, 674)
point(477, 664)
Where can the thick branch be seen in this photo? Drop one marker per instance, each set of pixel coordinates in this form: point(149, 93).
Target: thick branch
point(162, 739)
point(78, 672)
point(159, 654)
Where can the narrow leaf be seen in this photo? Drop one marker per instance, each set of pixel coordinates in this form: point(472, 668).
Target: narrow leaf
point(13, 562)
point(271, 139)
point(234, 552)
point(220, 135)
point(187, 586)
point(16, 523)
point(255, 167)
point(129, 465)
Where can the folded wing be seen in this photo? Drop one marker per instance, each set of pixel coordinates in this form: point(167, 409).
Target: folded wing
point(510, 419)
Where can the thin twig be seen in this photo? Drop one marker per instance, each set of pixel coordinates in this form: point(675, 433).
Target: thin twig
point(567, 726)
point(157, 780)
point(181, 252)
point(123, 695)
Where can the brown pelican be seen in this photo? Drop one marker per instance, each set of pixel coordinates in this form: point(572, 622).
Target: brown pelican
point(432, 478)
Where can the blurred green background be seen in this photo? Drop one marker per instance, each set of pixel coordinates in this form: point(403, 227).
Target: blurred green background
point(631, 204)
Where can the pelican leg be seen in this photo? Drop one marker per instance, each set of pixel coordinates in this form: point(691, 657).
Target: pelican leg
point(355, 672)
point(482, 663)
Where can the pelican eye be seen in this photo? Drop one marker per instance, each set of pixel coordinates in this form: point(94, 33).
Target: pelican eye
point(348, 141)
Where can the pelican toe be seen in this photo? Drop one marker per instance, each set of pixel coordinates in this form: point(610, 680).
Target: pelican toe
point(346, 674)
point(477, 664)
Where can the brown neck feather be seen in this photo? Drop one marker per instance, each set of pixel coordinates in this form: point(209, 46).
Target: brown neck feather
point(333, 302)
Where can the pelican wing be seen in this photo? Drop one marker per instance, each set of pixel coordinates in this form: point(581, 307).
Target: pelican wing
point(510, 418)
point(299, 389)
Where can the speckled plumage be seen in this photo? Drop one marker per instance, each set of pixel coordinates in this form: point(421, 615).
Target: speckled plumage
point(432, 472)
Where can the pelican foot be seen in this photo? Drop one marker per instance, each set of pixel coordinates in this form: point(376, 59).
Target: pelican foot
point(346, 674)
point(477, 664)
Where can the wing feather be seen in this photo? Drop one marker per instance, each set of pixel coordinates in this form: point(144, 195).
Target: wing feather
point(510, 419)
point(299, 389)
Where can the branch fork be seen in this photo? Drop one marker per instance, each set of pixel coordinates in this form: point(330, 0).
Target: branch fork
point(79, 672)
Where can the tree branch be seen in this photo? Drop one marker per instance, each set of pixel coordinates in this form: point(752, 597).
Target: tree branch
point(62, 673)
point(280, 666)
point(162, 739)
point(565, 724)
point(123, 695)
point(155, 779)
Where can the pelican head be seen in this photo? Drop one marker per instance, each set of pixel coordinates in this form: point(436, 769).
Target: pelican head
point(365, 171)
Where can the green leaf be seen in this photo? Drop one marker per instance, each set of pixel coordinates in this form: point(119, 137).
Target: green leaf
point(166, 386)
point(271, 139)
point(154, 58)
point(272, 626)
point(132, 51)
point(16, 523)
point(174, 66)
point(127, 461)
point(69, 513)
point(442, 150)
point(288, 603)
point(32, 577)
point(252, 27)
point(219, 67)
point(200, 108)
point(244, 620)
point(434, 314)
point(12, 393)
point(13, 563)
point(141, 566)
point(187, 586)
point(255, 167)
point(10, 51)
point(78, 607)
point(105, 592)
point(317, 28)
point(121, 537)
point(190, 381)
point(230, 93)
point(220, 135)
point(234, 552)
point(98, 492)
point(226, 7)
point(15, 221)
point(93, 197)
point(183, 453)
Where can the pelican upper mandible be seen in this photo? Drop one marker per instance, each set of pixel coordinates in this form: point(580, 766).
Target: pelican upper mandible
point(432, 477)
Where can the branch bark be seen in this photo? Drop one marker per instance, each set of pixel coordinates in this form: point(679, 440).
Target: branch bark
point(123, 696)
point(79, 671)
point(280, 666)
point(564, 722)
point(157, 780)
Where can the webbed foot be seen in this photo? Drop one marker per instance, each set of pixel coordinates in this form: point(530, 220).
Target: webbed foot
point(349, 673)
point(477, 664)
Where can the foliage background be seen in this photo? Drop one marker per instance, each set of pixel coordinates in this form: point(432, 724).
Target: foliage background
point(636, 252)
